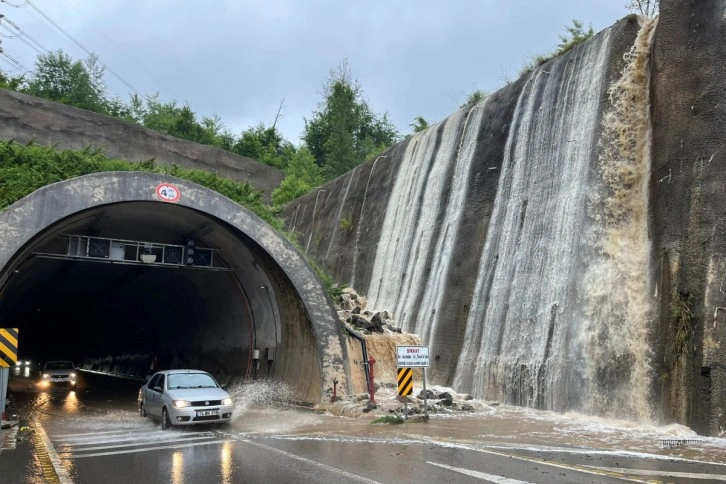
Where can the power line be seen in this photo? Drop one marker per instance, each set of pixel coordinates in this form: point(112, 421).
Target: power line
point(117, 46)
point(9, 59)
point(89, 53)
point(21, 33)
point(22, 36)
point(25, 41)
point(22, 5)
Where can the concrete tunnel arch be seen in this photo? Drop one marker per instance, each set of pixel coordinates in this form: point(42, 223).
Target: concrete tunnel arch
point(281, 299)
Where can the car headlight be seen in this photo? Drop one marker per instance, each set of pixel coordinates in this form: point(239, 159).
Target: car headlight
point(73, 374)
point(181, 403)
point(46, 376)
point(227, 401)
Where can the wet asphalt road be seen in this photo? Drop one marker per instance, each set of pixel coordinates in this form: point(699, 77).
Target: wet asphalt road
point(95, 435)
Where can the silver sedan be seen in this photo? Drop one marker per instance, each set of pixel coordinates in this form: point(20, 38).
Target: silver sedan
point(184, 397)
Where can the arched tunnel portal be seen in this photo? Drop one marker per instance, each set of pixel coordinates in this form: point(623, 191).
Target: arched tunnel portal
point(246, 306)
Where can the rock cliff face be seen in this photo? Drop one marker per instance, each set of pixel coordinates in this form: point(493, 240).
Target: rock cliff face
point(687, 218)
point(30, 119)
point(557, 245)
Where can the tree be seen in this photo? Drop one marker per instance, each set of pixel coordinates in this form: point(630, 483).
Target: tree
point(301, 176)
point(12, 83)
point(649, 8)
point(168, 118)
point(419, 124)
point(57, 77)
point(344, 132)
point(265, 145)
point(575, 35)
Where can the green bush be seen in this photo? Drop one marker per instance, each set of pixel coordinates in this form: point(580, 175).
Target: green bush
point(575, 35)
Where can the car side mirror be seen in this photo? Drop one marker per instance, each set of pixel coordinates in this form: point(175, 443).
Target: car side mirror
point(158, 389)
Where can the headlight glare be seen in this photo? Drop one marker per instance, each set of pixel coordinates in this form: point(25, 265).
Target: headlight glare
point(181, 403)
point(227, 401)
point(46, 376)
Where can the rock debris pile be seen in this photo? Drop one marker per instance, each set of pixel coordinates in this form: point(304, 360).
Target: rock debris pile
point(353, 311)
point(381, 334)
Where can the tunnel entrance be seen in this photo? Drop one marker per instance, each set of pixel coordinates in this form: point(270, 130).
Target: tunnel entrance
point(76, 285)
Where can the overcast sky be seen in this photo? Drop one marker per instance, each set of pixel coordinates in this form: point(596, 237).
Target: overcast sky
point(239, 59)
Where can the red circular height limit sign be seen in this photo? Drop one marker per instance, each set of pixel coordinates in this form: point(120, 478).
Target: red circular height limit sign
point(168, 192)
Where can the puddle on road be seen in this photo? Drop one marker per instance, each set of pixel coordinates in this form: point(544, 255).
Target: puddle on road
point(265, 409)
point(492, 426)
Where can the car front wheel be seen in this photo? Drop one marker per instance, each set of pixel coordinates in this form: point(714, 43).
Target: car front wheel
point(165, 420)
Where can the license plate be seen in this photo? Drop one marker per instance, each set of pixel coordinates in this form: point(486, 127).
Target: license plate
point(207, 413)
point(58, 379)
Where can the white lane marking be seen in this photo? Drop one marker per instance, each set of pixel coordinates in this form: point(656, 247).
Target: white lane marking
point(480, 475)
point(147, 449)
point(72, 449)
point(311, 462)
point(131, 438)
point(60, 471)
point(572, 467)
point(117, 431)
point(646, 472)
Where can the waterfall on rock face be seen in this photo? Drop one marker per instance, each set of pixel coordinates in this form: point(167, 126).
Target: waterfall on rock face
point(437, 161)
point(558, 314)
point(558, 320)
point(528, 293)
point(361, 220)
point(618, 313)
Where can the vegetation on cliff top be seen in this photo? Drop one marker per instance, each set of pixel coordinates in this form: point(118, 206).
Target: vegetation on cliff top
point(340, 135)
point(24, 169)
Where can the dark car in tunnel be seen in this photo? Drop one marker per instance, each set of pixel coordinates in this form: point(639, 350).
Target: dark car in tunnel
point(184, 397)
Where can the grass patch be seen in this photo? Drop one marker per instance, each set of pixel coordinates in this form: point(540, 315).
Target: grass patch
point(346, 223)
point(389, 419)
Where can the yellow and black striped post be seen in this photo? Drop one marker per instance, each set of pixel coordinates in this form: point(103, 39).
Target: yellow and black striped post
point(8, 347)
point(405, 381)
point(8, 358)
point(405, 386)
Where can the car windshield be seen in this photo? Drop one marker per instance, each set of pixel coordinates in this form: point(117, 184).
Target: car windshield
point(59, 365)
point(191, 380)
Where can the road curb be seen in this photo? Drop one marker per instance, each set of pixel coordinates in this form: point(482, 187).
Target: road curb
point(47, 456)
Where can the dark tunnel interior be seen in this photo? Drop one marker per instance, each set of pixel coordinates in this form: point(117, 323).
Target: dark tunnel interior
point(220, 314)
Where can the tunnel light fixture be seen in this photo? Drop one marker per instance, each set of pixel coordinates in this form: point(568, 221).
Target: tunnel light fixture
point(121, 251)
point(190, 252)
point(148, 256)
